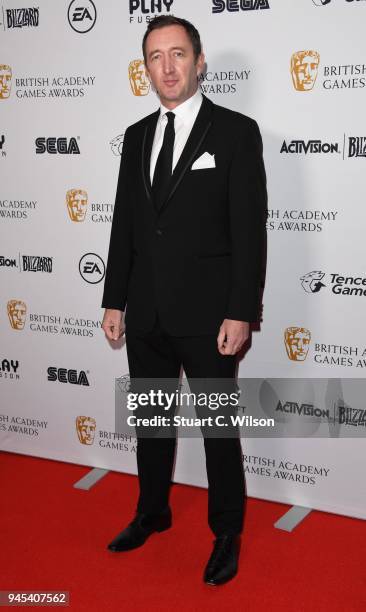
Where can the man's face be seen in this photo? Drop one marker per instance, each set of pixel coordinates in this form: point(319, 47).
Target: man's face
point(171, 64)
point(5, 82)
point(305, 71)
point(77, 201)
point(139, 81)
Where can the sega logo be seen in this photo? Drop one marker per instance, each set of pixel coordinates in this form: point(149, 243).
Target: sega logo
point(57, 145)
point(64, 375)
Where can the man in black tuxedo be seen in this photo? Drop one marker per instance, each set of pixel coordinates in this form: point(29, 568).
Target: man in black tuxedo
point(186, 256)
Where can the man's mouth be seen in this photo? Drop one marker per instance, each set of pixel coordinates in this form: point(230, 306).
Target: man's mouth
point(171, 82)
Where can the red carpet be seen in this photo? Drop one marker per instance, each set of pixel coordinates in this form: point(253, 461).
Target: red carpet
point(53, 537)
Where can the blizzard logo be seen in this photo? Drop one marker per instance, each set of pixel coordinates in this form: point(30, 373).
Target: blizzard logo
point(357, 146)
point(24, 17)
point(35, 263)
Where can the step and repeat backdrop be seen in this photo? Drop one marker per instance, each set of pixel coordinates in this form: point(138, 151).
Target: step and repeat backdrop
point(72, 79)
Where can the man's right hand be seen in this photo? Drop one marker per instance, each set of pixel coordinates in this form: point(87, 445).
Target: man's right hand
point(112, 324)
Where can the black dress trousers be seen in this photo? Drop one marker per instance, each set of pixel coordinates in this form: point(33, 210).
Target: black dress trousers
point(158, 355)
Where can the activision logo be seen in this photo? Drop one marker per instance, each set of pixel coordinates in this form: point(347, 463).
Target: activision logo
point(356, 147)
point(302, 409)
point(310, 146)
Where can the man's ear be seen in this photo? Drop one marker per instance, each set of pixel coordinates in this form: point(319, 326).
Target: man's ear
point(147, 72)
point(200, 64)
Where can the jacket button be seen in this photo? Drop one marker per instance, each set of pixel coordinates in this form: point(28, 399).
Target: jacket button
point(159, 232)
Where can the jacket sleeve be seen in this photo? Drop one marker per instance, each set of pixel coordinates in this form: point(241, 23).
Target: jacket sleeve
point(120, 245)
point(248, 214)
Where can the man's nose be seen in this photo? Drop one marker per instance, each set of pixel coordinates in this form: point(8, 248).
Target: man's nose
point(168, 65)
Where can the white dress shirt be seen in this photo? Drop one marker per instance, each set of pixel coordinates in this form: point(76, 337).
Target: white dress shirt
point(185, 116)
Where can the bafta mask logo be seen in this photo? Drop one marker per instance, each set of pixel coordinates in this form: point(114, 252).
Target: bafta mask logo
point(5, 81)
point(304, 69)
point(312, 281)
point(297, 340)
point(77, 202)
point(17, 311)
point(139, 80)
point(85, 428)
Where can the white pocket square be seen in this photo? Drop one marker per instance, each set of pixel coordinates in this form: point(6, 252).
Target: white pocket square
point(205, 161)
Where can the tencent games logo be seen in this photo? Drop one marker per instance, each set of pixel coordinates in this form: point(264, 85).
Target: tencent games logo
point(137, 75)
point(117, 144)
point(324, 2)
point(304, 69)
point(312, 281)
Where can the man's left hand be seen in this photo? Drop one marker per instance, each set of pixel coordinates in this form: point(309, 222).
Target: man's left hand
point(232, 336)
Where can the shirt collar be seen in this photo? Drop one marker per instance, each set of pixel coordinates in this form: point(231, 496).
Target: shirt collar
point(185, 110)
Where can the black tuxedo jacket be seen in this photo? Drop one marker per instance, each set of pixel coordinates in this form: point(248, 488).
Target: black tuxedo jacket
point(199, 258)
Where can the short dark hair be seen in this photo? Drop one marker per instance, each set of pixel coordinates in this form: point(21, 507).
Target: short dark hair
point(162, 21)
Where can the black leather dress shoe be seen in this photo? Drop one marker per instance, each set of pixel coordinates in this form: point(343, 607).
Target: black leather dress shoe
point(223, 563)
point(137, 532)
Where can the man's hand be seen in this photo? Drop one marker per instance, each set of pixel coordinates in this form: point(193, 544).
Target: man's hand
point(232, 336)
point(112, 324)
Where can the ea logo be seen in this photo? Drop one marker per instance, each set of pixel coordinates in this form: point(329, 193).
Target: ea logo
point(92, 268)
point(82, 15)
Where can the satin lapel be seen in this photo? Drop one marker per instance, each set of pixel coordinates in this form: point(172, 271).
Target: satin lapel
point(147, 143)
point(195, 139)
